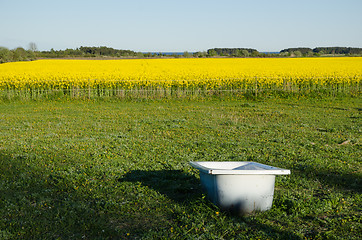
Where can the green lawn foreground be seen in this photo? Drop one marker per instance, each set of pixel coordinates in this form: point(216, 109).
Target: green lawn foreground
point(119, 169)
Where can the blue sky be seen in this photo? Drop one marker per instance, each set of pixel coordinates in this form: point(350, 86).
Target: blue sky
point(180, 25)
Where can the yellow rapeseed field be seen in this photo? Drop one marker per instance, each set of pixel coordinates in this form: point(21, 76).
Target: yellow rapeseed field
point(188, 73)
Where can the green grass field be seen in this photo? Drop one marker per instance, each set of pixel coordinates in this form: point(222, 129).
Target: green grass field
point(77, 169)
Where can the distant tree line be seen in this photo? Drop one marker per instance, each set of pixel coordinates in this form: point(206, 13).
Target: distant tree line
point(236, 52)
point(20, 54)
point(338, 50)
point(86, 52)
point(15, 55)
point(301, 50)
point(322, 51)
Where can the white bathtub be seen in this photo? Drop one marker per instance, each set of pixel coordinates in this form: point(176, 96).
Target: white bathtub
point(239, 187)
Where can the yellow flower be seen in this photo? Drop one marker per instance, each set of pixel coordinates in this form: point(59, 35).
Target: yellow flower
point(206, 73)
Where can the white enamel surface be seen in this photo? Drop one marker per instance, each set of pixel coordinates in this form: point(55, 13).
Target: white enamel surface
point(238, 168)
point(240, 187)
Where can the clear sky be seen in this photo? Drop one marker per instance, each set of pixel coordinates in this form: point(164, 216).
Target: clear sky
point(181, 25)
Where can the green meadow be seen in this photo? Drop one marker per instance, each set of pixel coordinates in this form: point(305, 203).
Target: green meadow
point(112, 169)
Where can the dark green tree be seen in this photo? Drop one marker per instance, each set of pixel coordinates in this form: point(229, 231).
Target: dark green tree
point(5, 55)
